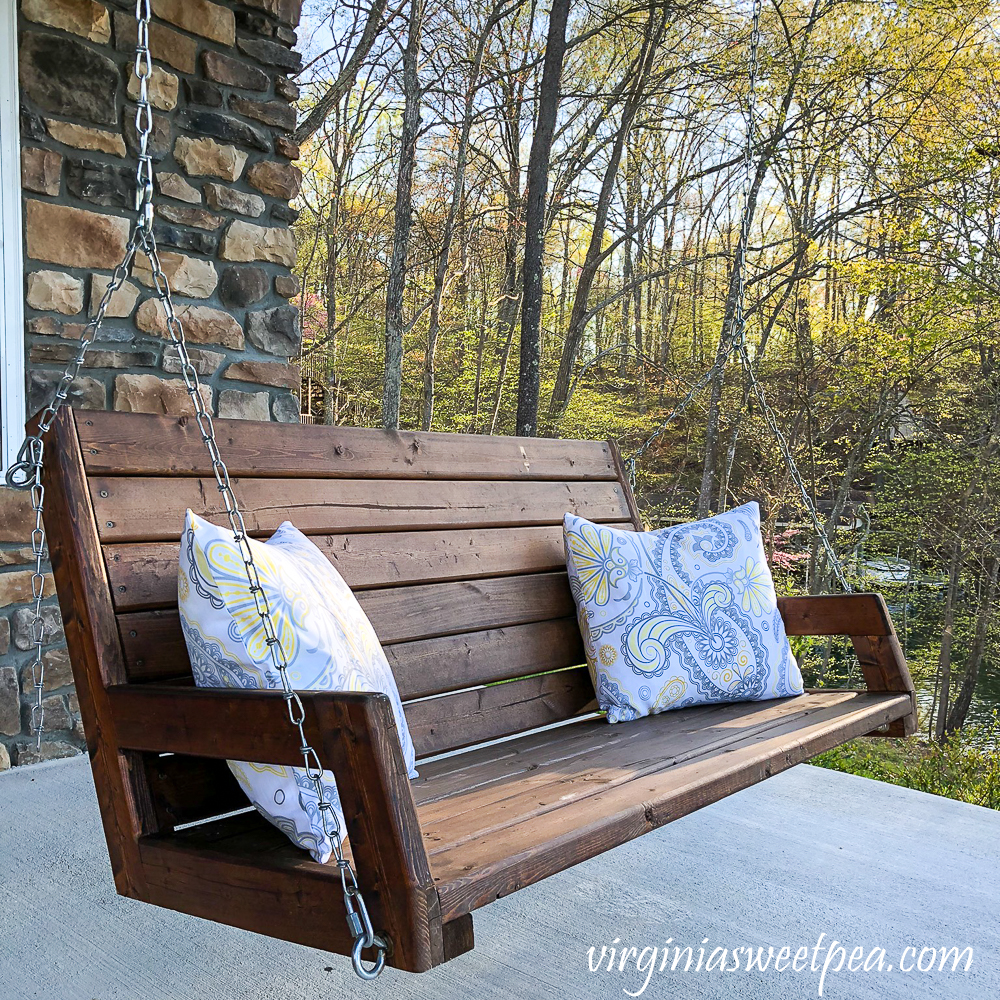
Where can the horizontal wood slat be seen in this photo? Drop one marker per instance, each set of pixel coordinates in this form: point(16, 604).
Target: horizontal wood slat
point(145, 509)
point(154, 646)
point(483, 868)
point(836, 614)
point(144, 574)
point(487, 713)
point(188, 789)
point(433, 666)
point(143, 444)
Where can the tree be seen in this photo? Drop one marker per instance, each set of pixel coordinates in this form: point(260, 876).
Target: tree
point(529, 377)
point(396, 285)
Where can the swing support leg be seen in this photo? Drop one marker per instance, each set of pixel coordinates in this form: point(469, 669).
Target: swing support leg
point(355, 733)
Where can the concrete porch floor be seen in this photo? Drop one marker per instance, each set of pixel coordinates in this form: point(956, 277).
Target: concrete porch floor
point(809, 852)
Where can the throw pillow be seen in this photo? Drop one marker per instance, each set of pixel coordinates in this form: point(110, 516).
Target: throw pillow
point(678, 617)
point(328, 642)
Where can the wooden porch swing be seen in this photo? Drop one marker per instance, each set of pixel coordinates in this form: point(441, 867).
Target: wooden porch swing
point(454, 545)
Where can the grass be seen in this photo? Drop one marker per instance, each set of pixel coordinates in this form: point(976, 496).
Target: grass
point(965, 767)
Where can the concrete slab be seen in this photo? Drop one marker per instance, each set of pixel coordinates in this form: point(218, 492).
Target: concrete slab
point(808, 853)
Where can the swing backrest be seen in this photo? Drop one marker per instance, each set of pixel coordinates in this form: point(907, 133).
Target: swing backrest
point(452, 542)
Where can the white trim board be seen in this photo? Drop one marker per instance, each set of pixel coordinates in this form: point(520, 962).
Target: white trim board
point(12, 367)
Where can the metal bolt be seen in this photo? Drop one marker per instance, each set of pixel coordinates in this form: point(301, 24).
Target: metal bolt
point(109, 524)
point(104, 493)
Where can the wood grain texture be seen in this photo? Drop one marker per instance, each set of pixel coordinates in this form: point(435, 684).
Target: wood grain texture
point(154, 645)
point(143, 509)
point(143, 444)
point(454, 546)
point(434, 666)
point(481, 869)
point(866, 620)
point(95, 650)
point(487, 713)
point(835, 614)
point(355, 736)
point(621, 469)
point(144, 574)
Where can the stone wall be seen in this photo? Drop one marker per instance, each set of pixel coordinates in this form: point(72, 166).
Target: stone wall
point(225, 176)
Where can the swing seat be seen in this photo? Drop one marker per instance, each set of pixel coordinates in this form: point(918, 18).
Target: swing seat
point(453, 544)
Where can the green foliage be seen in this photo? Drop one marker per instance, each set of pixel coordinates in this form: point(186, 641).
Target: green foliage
point(965, 767)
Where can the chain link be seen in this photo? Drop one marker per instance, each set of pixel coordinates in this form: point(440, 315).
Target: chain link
point(737, 338)
point(26, 474)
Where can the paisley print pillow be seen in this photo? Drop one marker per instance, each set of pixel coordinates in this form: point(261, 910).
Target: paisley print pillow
point(328, 641)
point(679, 617)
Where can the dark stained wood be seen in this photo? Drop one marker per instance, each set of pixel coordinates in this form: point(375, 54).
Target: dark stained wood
point(866, 620)
point(884, 667)
point(495, 778)
point(88, 617)
point(244, 872)
point(426, 667)
point(487, 713)
point(189, 789)
point(140, 509)
point(355, 736)
point(454, 546)
point(623, 477)
point(154, 645)
point(482, 869)
point(144, 574)
point(140, 444)
point(835, 614)
point(434, 666)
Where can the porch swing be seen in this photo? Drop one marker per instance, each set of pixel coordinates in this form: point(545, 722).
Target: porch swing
point(453, 544)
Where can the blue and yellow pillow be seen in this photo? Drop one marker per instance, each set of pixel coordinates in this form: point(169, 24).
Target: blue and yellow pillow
point(679, 617)
point(328, 641)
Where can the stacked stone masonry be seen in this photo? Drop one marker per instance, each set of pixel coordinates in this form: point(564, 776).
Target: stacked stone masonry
point(223, 95)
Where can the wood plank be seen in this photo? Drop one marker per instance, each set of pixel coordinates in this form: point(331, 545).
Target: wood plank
point(95, 652)
point(483, 869)
point(466, 717)
point(594, 755)
point(189, 789)
point(835, 614)
point(147, 509)
point(371, 779)
point(623, 477)
point(434, 666)
point(154, 646)
point(143, 444)
point(485, 776)
point(243, 872)
point(144, 574)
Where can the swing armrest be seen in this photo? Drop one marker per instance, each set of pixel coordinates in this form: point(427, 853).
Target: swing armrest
point(355, 736)
point(865, 619)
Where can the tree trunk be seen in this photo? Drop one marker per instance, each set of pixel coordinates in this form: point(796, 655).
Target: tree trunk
point(403, 222)
point(947, 638)
point(457, 195)
point(639, 73)
point(529, 375)
point(963, 700)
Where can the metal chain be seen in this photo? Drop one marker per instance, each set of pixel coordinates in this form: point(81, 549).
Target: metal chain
point(737, 342)
point(26, 473)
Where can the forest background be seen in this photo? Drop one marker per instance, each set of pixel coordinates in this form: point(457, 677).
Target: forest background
point(522, 218)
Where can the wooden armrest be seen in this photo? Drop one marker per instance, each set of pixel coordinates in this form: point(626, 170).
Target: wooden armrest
point(355, 735)
point(866, 620)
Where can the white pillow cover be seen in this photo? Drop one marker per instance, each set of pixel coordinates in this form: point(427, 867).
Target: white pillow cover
point(329, 643)
point(678, 617)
